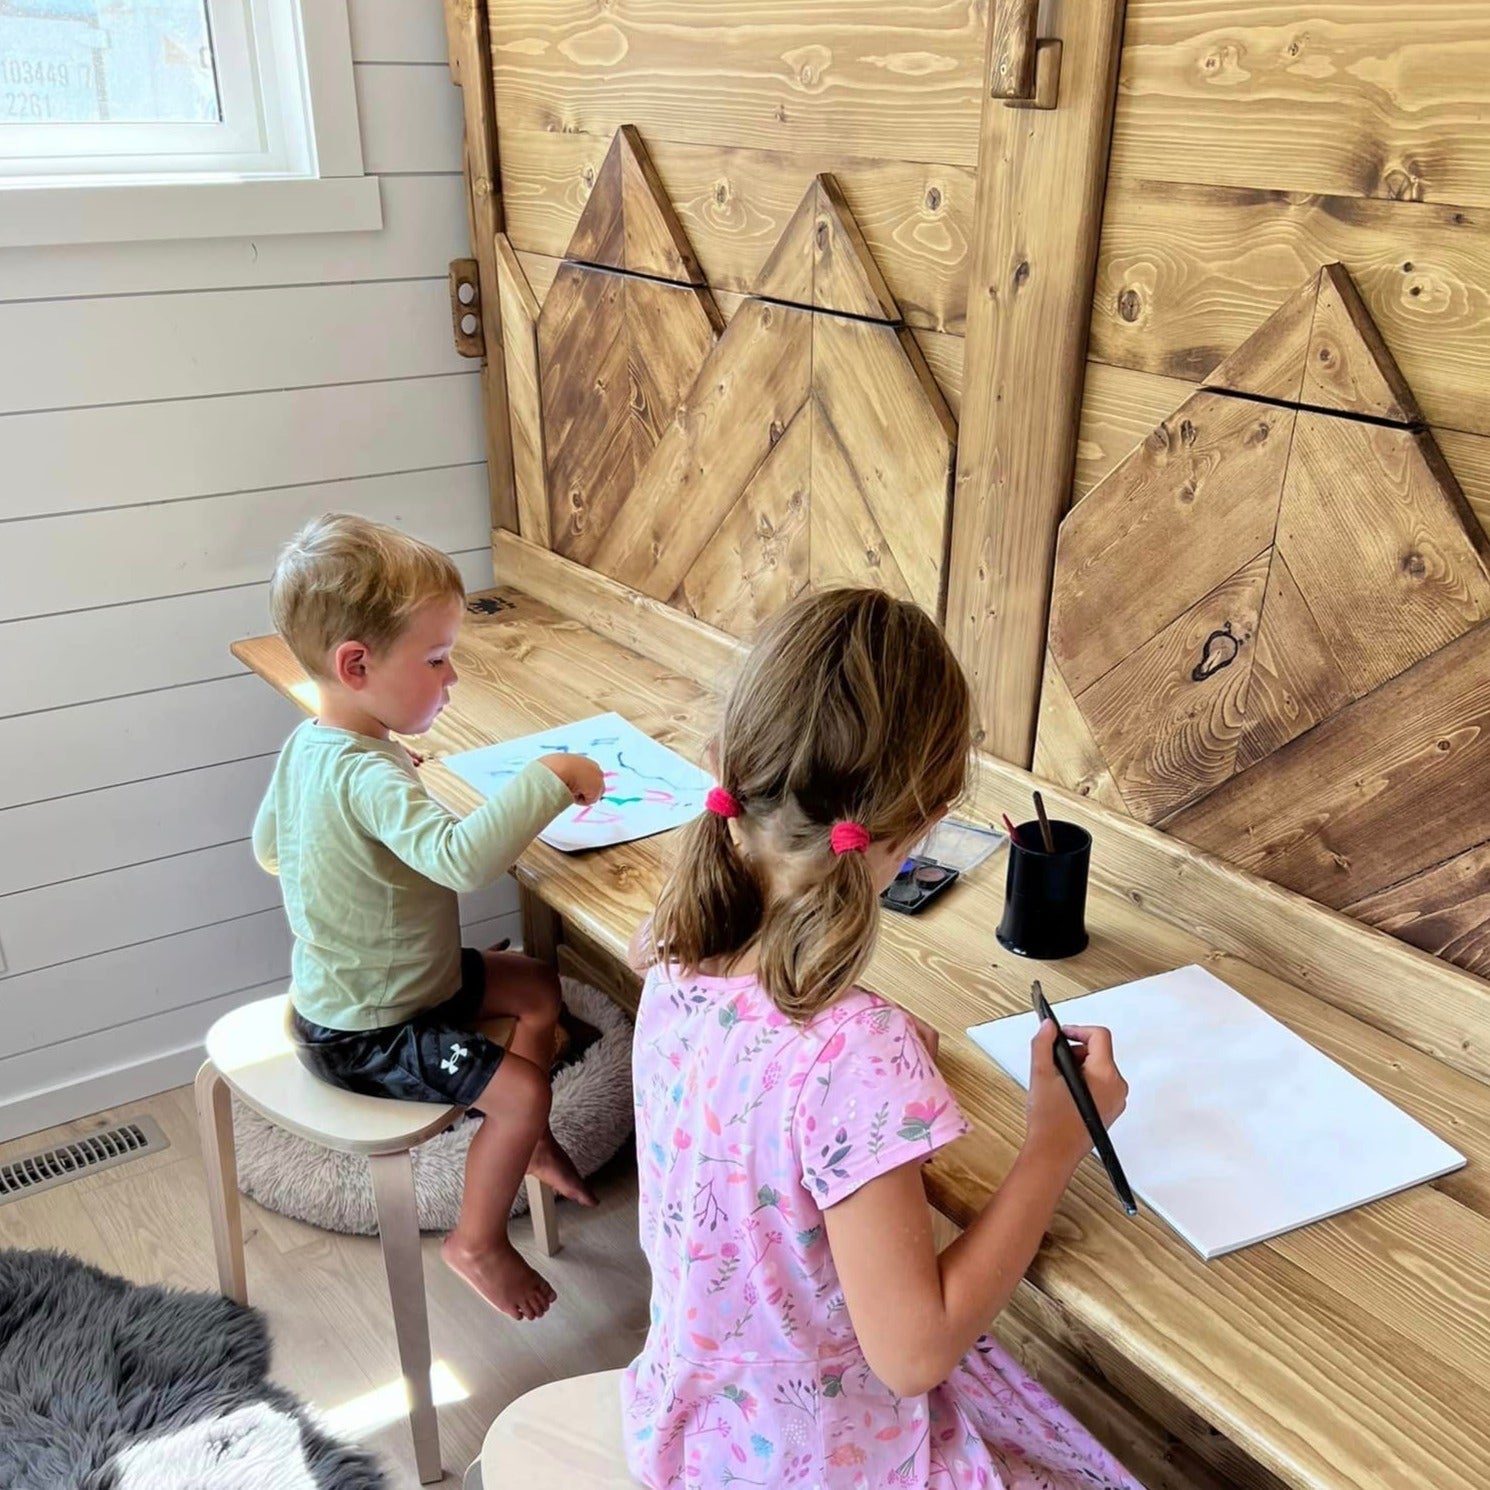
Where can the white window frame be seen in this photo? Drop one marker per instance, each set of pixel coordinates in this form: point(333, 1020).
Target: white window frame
point(287, 159)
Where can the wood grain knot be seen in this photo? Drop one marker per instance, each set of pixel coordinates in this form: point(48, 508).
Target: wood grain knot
point(1220, 651)
point(1130, 305)
point(1021, 274)
point(934, 199)
point(1414, 566)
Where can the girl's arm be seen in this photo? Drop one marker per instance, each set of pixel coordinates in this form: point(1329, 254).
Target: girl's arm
point(916, 1313)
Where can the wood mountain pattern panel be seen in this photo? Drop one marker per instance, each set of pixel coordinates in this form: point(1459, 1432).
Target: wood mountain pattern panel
point(1268, 632)
point(806, 443)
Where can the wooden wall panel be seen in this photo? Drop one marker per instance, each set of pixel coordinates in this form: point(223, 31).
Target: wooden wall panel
point(1186, 273)
point(1038, 214)
point(735, 203)
point(1369, 99)
point(896, 81)
point(1122, 406)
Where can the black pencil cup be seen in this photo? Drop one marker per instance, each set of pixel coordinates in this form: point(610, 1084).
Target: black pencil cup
point(1045, 898)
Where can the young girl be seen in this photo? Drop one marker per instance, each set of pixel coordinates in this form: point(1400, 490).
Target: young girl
point(804, 1330)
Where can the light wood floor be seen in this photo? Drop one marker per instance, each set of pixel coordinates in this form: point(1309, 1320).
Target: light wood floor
point(324, 1294)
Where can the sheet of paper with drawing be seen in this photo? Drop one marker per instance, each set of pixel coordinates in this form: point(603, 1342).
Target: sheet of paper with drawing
point(1236, 1129)
point(648, 788)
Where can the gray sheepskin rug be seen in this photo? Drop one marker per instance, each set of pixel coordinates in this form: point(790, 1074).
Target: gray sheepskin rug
point(105, 1385)
point(592, 1118)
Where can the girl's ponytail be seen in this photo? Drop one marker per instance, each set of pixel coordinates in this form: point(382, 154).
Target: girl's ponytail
point(816, 940)
point(711, 904)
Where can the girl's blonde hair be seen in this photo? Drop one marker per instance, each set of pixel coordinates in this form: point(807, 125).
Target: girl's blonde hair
point(346, 578)
point(850, 707)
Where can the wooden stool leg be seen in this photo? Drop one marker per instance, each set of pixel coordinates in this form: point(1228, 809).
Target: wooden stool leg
point(545, 1217)
point(398, 1230)
point(220, 1157)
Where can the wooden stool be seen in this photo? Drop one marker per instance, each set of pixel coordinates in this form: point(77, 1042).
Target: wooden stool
point(563, 1436)
point(249, 1053)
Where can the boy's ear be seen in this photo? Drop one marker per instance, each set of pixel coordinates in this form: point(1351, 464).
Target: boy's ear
point(349, 665)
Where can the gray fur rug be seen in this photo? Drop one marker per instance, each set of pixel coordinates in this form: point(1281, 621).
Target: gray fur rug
point(592, 1118)
point(105, 1385)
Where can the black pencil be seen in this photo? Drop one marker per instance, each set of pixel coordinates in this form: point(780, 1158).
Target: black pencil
point(1065, 1063)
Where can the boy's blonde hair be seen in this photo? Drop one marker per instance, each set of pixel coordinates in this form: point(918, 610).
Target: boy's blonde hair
point(343, 578)
point(851, 707)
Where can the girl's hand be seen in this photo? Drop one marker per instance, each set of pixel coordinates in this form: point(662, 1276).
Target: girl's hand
point(580, 774)
point(1054, 1126)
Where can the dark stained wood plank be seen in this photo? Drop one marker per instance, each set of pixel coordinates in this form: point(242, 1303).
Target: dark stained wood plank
point(1191, 506)
point(583, 362)
point(1167, 735)
point(1011, 49)
point(758, 560)
point(735, 203)
point(1348, 366)
point(845, 277)
point(846, 546)
point(745, 396)
point(1388, 561)
point(1295, 679)
point(1365, 99)
point(1029, 301)
point(899, 80)
point(656, 243)
point(1444, 909)
point(1385, 788)
point(898, 437)
point(1270, 363)
point(1064, 748)
point(1187, 273)
point(520, 313)
point(599, 236)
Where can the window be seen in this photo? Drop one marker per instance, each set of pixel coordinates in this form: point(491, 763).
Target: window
point(153, 118)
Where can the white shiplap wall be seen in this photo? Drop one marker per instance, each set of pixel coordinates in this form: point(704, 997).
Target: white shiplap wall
point(169, 413)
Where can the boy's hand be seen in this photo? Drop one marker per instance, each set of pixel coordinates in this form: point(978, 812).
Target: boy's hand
point(580, 774)
point(1054, 1124)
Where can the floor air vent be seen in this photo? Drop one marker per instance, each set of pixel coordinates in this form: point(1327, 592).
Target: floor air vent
point(32, 1173)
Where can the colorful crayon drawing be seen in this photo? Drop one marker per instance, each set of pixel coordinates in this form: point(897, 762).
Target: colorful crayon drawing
point(648, 788)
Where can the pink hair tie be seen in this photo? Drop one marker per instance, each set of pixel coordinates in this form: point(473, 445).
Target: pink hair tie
point(850, 838)
point(722, 803)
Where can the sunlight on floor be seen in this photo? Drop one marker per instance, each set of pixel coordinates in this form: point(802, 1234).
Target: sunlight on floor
point(382, 1405)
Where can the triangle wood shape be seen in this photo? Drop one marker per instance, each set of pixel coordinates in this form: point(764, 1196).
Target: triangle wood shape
point(628, 223)
point(821, 261)
point(1320, 349)
point(813, 447)
point(1257, 565)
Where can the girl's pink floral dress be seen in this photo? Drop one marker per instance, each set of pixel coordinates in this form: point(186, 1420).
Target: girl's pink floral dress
point(747, 1128)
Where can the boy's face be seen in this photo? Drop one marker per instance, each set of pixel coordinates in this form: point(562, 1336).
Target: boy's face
point(408, 683)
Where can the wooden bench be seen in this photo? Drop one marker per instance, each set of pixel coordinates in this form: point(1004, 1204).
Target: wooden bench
point(1354, 1353)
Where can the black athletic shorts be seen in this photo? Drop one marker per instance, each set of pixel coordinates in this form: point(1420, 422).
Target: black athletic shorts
point(437, 1056)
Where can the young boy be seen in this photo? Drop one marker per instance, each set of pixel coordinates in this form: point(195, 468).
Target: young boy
point(385, 1001)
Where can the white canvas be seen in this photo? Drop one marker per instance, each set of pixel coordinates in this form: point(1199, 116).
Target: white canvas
point(648, 788)
point(1236, 1130)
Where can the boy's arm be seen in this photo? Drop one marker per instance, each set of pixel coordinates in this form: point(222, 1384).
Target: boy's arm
point(266, 835)
point(460, 853)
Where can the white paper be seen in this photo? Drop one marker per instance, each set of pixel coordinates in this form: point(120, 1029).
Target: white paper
point(1236, 1130)
point(648, 788)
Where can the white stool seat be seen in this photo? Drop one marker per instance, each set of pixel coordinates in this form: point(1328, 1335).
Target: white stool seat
point(250, 1053)
point(563, 1436)
point(253, 1053)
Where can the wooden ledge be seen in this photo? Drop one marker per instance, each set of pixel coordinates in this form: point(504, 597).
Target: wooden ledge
point(1354, 1353)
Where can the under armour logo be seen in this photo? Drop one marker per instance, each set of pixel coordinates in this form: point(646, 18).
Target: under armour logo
point(458, 1053)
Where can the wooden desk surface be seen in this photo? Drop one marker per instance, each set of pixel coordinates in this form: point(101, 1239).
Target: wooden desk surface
point(1351, 1355)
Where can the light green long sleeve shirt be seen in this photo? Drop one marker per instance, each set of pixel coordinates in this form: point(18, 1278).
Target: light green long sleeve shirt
point(370, 865)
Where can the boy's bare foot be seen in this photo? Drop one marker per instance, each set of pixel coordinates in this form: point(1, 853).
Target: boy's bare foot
point(500, 1276)
point(556, 1169)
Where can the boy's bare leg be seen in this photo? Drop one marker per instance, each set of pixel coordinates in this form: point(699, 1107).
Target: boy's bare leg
point(515, 1103)
point(527, 991)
